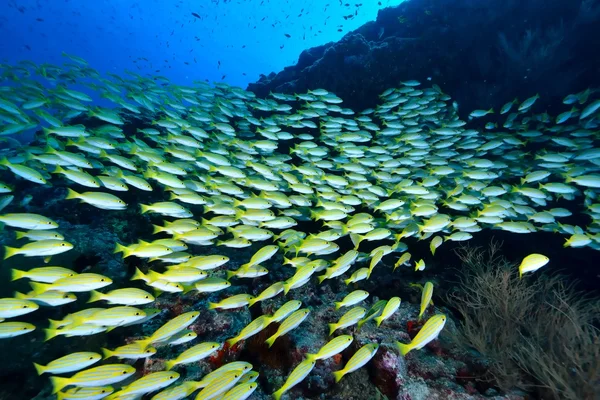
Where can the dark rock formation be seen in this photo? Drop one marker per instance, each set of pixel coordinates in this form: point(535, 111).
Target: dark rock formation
point(481, 52)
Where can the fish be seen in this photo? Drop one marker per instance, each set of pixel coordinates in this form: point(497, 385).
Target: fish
point(13, 329)
point(219, 385)
point(240, 392)
point(193, 354)
point(149, 383)
point(359, 359)
point(97, 376)
point(291, 322)
point(255, 326)
point(352, 298)
point(126, 296)
point(41, 248)
point(331, 348)
point(428, 332)
point(69, 363)
point(133, 351)
point(390, 308)
point(28, 221)
point(296, 376)
point(170, 328)
point(76, 283)
point(350, 318)
point(532, 263)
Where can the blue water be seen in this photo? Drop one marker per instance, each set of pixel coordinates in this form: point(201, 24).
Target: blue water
point(234, 41)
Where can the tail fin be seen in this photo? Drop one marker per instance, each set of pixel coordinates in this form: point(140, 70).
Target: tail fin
point(379, 320)
point(212, 306)
point(19, 295)
point(321, 278)
point(230, 274)
point(356, 239)
point(145, 208)
point(271, 340)
point(338, 375)
point(403, 348)
point(50, 333)
point(107, 353)
point(54, 324)
point(17, 274)
point(20, 235)
point(169, 365)
point(10, 251)
point(95, 296)
point(138, 275)
point(39, 368)
point(338, 304)
point(71, 194)
point(157, 229)
point(39, 287)
point(58, 383)
point(286, 287)
point(332, 328)
point(277, 395)
point(119, 248)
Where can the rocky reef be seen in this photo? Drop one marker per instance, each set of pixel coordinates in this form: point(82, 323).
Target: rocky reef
point(482, 52)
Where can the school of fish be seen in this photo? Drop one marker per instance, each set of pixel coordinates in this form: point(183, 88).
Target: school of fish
point(236, 171)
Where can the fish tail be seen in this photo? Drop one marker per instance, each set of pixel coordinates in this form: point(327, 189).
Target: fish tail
point(58, 383)
point(39, 287)
point(20, 235)
point(17, 274)
point(230, 274)
point(232, 341)
point(338, 304)
point(107, 353)
point(119, 248)
point(169, 365)
point(252, 302)
point(379, 320)
point(356, 239)
point(212, 306)
point(321, 278)
point(19, 295)
point(403, 348)
point(332, 328)
point(311, 357)
point(271, 340)
point(138, 275)
point(39, 368)
point(286, 287)
point(10, 251)
point(53, 323)
point(277, 395)
point(145, 208)
point(95, 296)
point(71, 194)
point(156, 229)
point(338, 375)
point(50, 333)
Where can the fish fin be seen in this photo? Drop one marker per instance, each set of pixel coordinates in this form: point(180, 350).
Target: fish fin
point(53, 323)
point(107, 353)
point(403, 348)
point(138, 275)
point(47, 259)
point(71, 194)
point(338, 375)
point(379, 320)
point(277, 395)
point(95, 296)
point(50, 333)
point(39, 287)
point(145, 208)
point(321, 278)
point(17, 274)
point(338, 304)
point(271, 340)
point(20, 235)
point(39, 368)
point(58, 383)
point(169, 365)
point(231, 342)
point(10, 251)
point(212, 306)
point(311, 357)
point(332, 328)
point(156, 229)
point(19, 295)
point(286, 288)
point(230, 274)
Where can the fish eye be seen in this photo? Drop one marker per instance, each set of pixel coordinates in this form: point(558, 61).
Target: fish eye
point(137, 313)
point(171, 377)
point(101, 280)
point(25, 306)
point(147, 297)
point(62, 244)
point(103, 391)
point(124, 372)
point(91, 358)
point(49, 223)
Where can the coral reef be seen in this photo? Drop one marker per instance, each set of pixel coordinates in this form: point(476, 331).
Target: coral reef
point(483, 52)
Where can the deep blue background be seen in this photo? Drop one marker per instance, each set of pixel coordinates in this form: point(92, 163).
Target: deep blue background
point(157, 37)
